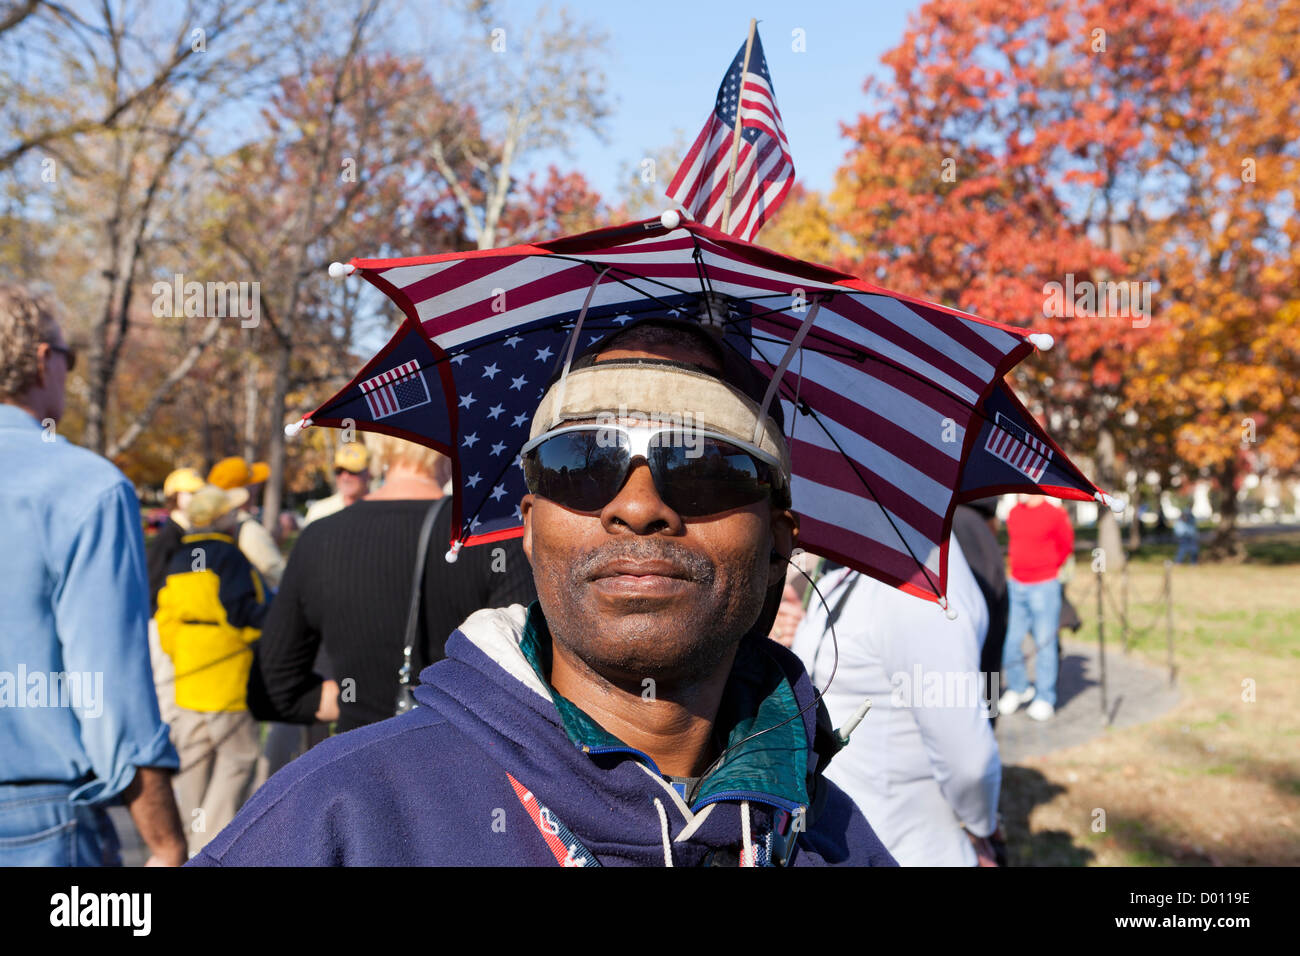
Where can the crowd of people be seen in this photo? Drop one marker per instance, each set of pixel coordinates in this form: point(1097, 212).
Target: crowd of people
point(588, 694)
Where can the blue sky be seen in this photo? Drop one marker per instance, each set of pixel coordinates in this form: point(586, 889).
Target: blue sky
point(667, 59)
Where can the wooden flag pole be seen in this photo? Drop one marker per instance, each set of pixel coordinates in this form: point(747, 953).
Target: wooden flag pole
point(735, 136)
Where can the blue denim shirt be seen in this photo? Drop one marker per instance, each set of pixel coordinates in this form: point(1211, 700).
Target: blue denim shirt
point(77, 698)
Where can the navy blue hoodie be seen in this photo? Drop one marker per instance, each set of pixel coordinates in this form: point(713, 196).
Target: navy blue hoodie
point(494, 768)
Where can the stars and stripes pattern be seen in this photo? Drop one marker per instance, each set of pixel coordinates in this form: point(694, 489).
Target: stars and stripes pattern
point(396, 390)
point(498, 386)
point(764, 169)
point(991, 468)
point(884, 402)
point(1022, 451)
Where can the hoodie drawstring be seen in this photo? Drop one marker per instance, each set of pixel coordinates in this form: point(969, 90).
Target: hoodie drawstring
point(748, 853)
point(663, 828)
point(747, 844)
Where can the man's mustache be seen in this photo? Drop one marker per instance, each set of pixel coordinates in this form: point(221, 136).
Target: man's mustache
point(686, 563)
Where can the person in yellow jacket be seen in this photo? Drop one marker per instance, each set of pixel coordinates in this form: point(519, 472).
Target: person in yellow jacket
point(210, 611)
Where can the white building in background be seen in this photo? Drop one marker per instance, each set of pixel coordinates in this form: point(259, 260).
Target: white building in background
point(1279, 502)
point(1202, 510)
point(1085, 512)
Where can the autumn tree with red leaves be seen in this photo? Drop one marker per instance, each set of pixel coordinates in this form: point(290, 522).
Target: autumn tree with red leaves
point(1025, 148)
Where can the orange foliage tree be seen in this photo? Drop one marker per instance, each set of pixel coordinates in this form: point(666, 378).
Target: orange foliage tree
point(1226, 372)
point(1026, 163)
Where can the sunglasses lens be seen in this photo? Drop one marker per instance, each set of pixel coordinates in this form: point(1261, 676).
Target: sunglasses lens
point(694, 475)
point(703, 476)
point(581, 470)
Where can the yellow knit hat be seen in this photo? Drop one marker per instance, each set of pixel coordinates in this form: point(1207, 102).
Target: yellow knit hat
point(236, 473)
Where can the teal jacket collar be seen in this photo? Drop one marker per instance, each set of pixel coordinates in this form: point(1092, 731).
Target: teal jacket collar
point(771, 767)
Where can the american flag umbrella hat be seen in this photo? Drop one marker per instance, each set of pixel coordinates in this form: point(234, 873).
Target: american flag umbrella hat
point(896, 409)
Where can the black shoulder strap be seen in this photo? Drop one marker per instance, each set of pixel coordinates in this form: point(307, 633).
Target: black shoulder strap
point(417, 574)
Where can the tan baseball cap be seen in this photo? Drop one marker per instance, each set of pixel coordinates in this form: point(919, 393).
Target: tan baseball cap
point(210, 502)
point(352, 457)
point(181, 480)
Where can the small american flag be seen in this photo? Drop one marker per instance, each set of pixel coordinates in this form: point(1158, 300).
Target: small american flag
point(396, 390)
point(1022, 451)
point(764, 170)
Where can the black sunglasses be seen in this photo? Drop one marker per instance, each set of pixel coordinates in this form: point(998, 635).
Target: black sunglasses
point(696, 473)
point(67, 351)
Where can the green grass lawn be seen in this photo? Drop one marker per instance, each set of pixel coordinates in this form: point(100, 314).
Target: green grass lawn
point(1217, 779)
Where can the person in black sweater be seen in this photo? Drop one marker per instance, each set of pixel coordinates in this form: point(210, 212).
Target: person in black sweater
point(347, 587)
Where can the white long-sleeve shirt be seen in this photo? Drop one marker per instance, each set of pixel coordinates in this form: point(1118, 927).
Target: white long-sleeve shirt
point(924, 761)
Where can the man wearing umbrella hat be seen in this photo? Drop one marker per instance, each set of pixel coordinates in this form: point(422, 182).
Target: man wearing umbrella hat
point(636, 714)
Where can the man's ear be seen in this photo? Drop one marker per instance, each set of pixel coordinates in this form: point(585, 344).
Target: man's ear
point(42, 356)
point(526, 510)
point(785, 534)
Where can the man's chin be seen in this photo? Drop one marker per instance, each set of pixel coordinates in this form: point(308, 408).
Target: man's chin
point(664, 640)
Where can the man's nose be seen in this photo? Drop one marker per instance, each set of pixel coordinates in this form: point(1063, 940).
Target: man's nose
point(638, 507)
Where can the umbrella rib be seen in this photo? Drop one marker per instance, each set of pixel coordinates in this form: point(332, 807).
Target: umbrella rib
point(862, 355)
point(573, 343)
point(855, 355)
point(706, 285)
point(974, 408)
point(779, 372)
point(614, 270)
point(865, 483)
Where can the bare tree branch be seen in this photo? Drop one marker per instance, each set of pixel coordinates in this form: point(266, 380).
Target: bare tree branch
point(164, 76)
point(17, 14)
point(160, 395)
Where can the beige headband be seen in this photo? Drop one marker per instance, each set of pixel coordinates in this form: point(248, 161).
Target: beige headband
point(660, 392)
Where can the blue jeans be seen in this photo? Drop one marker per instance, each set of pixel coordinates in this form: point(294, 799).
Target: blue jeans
point(39, 827)
point(1036, 608)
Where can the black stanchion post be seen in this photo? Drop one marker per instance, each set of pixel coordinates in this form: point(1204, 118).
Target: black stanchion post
point(1123, 604)
point(1101, 639)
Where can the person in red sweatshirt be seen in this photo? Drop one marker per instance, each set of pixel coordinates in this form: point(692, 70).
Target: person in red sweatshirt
point(1039, 540)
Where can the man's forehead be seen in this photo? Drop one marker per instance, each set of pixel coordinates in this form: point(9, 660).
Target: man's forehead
point(672, 351)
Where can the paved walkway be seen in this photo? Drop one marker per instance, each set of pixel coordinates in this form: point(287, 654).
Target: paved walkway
point(1135, 693)
point(134, 852)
